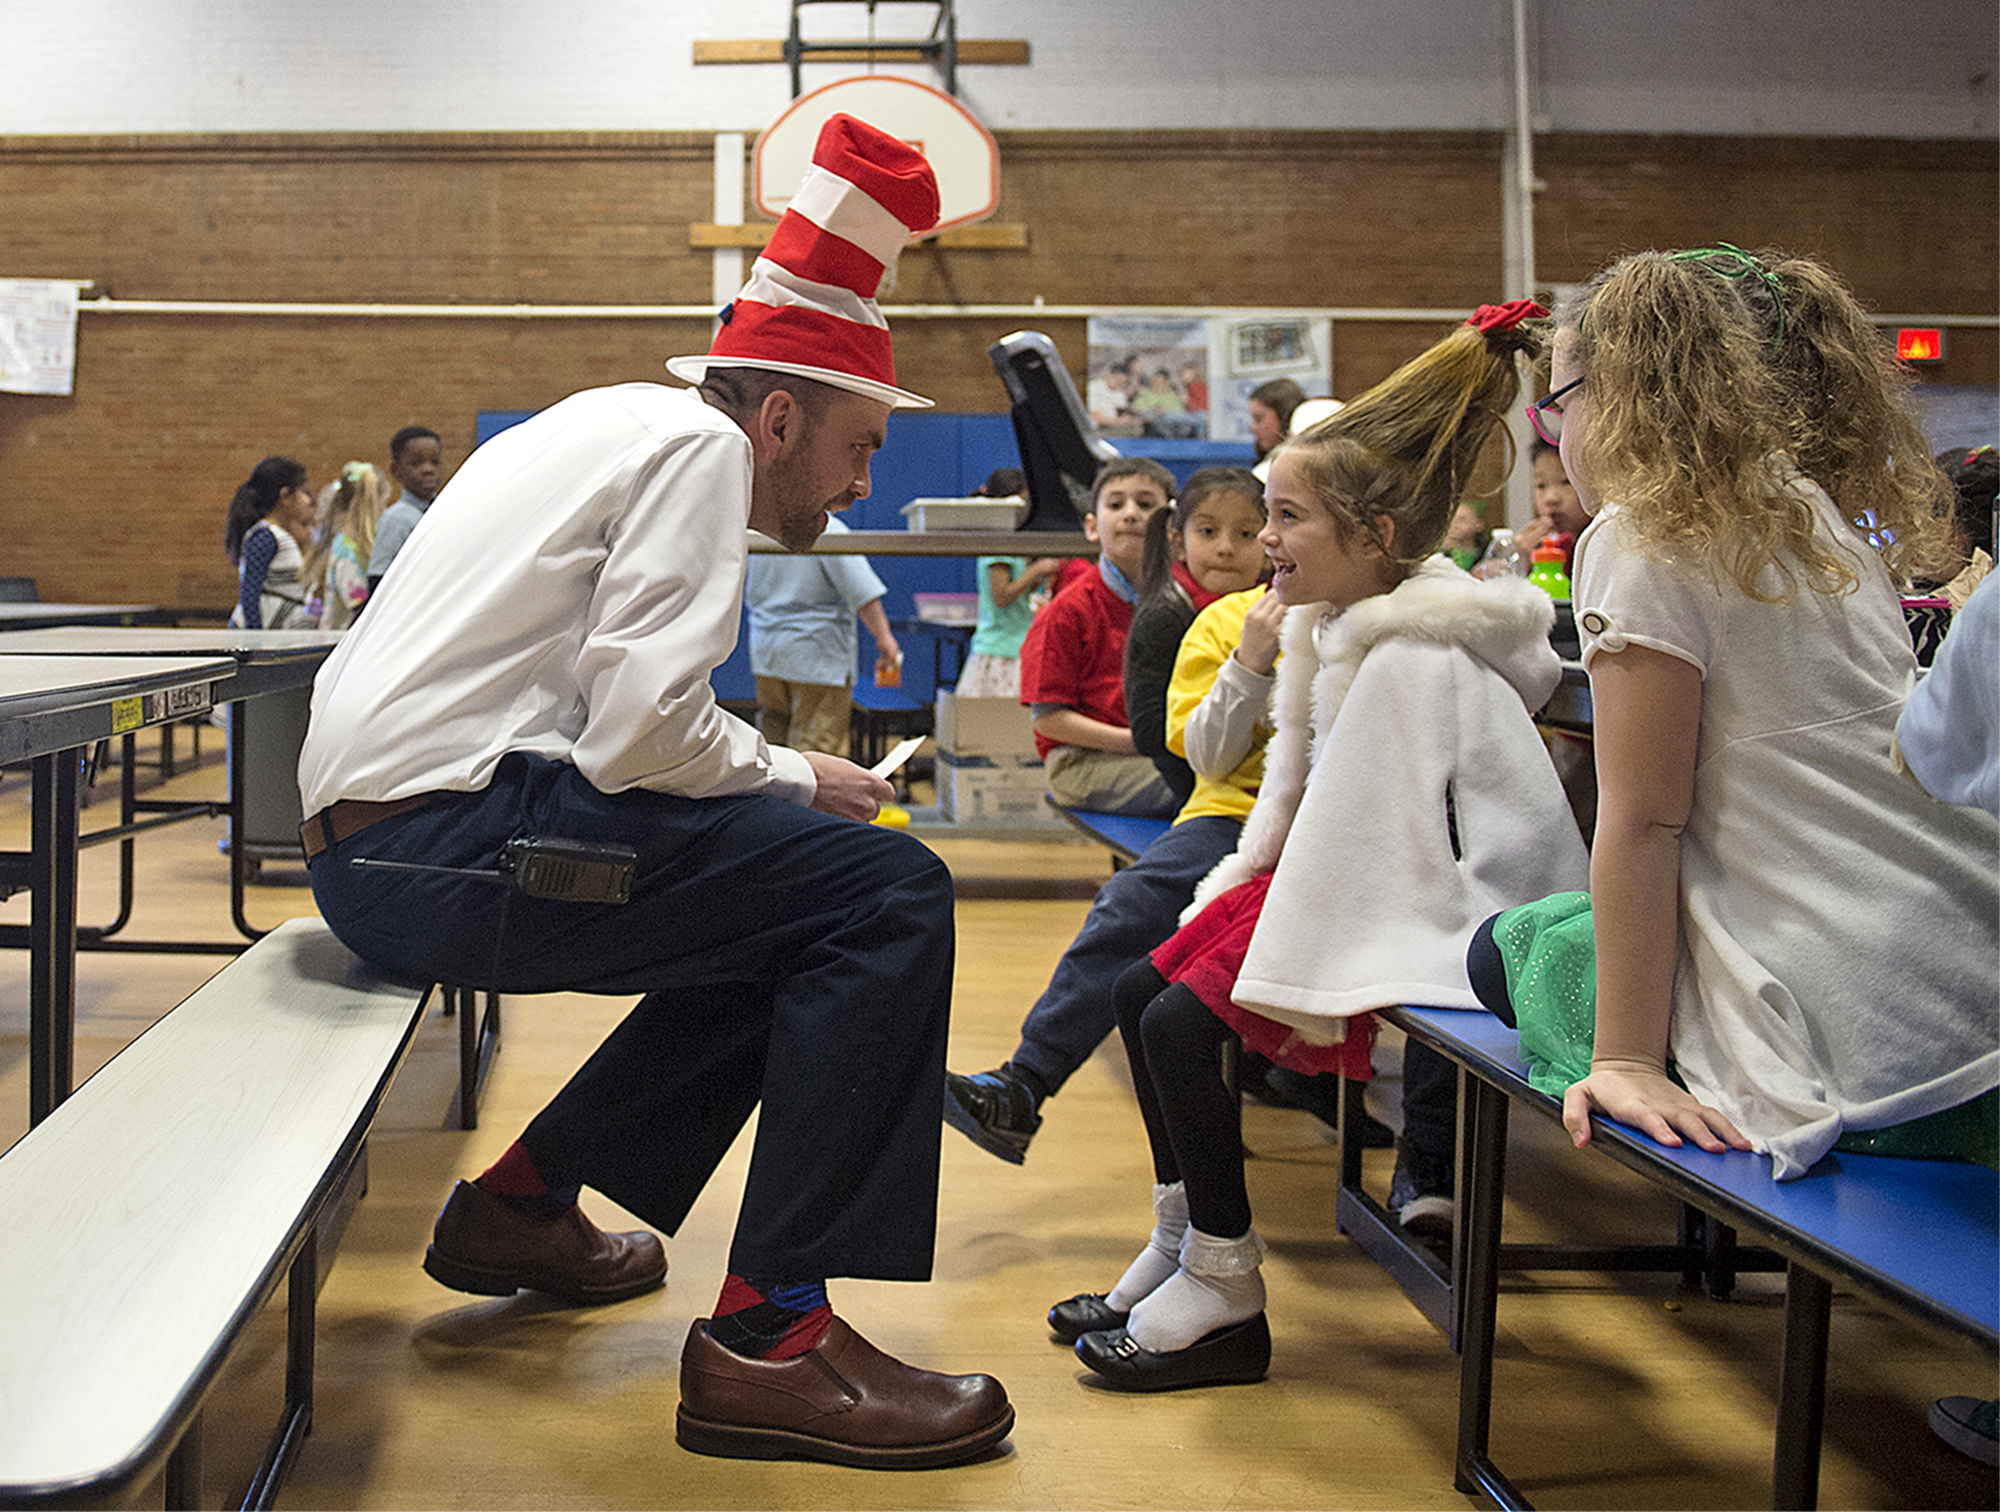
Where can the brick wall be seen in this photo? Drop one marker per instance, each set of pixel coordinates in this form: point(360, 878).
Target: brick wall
point(118, 492)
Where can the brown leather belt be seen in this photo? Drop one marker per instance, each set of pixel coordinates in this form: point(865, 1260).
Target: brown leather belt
point(351, 816)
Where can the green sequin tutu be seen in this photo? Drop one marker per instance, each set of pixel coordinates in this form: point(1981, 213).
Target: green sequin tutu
point(1549, 953)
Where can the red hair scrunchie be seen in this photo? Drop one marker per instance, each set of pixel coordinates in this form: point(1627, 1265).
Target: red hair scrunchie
point(1504, 317)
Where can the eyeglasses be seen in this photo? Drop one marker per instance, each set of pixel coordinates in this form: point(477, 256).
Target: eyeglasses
point(1548, 423)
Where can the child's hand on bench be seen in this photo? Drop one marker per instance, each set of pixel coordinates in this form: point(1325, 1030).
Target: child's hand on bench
point(1640, 1094)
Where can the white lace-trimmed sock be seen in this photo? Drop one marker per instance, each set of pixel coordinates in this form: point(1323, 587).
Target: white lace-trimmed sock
point(1162, 1255)
point(1219, 1282)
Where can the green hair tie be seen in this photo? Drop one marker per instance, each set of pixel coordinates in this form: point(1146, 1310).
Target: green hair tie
point(1726, 261)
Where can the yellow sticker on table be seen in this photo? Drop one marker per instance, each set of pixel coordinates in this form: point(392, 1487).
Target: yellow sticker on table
point(127, 714)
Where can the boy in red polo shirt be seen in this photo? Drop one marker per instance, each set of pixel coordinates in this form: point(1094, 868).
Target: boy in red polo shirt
point(1073, 661)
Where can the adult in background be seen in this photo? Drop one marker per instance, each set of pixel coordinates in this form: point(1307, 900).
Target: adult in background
point(538, 664)
point(416, 462)
point(1271, 406)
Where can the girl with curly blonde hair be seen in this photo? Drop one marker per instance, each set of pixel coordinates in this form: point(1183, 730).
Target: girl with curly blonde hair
point(1793, 944)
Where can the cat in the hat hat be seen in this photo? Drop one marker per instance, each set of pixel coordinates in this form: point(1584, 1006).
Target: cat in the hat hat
point(808, 312)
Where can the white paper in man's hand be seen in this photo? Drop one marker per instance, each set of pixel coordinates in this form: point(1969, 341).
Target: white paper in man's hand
point(904, 750)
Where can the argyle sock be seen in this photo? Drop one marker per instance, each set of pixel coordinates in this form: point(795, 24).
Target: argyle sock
point(515, 1181)
point(770, 1320)
point(1218, 1283)
point(1162, 1255)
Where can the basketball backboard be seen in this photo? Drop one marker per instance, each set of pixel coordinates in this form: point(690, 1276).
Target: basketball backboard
point(961, 151)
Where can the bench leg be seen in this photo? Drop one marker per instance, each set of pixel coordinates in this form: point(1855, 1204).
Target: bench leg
point(52, 939)
point(1719, 1259)
point(478, 1039)
point(1424, 1278)
point(1350, 1107)
point(183, 1478)
point(1478, 1242)
point(301, 1296)
point(1801, 1388)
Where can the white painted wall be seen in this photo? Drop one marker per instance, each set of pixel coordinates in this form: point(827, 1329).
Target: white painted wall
point(1893, 68)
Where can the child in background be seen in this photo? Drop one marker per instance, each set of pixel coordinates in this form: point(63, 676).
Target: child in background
point(805, 612)
point(1007, 592)
point(1202, 548)
point(269, 517)
point(1218, 718)
point(348, 528)
point(1466, 538)
point(1948, 735)
point(1787, 946)
point(1975, 478)
point(1073, 659)
point(1558, 511)
point(1405, 787)
point(416, 462)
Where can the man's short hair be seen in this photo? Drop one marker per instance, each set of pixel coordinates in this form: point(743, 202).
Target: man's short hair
point(406, 435)
point(739, 392)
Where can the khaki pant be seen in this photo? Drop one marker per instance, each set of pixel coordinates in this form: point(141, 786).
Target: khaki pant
point(1107, 783)
point(804, 716)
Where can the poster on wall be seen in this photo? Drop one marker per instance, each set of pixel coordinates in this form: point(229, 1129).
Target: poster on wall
point(1190, 377)
point(1252, 349)
point(1149, 376)
point(37, 336)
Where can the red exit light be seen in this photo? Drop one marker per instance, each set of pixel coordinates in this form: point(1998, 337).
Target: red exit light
point(1919, 344)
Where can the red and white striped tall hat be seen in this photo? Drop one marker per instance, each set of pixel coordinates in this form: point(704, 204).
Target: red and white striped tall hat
point(809, 305)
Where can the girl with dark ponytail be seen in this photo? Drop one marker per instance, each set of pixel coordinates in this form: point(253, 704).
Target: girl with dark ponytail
point(272, 511)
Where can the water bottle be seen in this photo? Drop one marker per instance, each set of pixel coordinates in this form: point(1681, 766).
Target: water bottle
point(1502, 559)
point(1548, 573)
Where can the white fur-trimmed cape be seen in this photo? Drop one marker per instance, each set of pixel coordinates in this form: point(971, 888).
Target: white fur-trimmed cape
point(1406, 798)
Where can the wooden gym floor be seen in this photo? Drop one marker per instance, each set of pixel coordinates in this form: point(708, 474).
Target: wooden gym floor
point(1613, 1391)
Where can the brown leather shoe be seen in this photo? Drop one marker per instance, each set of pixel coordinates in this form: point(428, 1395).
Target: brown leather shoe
point(481, 1245)
point(843, 1401)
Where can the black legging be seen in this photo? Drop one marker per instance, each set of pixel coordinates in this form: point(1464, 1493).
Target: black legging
point(1193, 1118)
point(1194, 1121)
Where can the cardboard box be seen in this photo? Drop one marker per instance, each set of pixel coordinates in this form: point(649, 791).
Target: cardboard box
point(993, 790)
point(984, 727)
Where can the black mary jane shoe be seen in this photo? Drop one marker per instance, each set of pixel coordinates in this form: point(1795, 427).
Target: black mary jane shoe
point(1234, 1355)
point(1084, 1313)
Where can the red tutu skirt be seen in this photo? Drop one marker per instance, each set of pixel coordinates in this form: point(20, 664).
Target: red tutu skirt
point(1206, 956)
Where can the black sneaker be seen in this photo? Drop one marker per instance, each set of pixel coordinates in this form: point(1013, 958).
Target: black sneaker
point(995, 1110)
point(1420, 1195)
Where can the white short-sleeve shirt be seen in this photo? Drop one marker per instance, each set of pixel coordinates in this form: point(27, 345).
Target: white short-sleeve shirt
point(1840, 960)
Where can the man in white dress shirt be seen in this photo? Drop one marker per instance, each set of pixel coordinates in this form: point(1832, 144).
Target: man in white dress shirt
point(538, 665)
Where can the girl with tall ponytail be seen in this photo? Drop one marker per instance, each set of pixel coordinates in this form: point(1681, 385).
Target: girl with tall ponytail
point(1406, 797)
